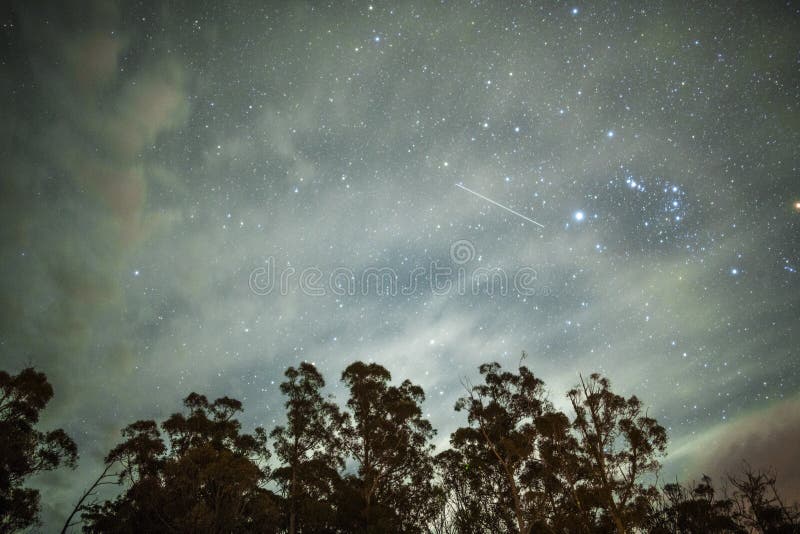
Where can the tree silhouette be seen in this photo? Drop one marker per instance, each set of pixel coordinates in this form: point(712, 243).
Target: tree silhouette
point(565, 477)
point(618, 447)
point(494, 471)
point(518, 466)
point(681, 510)
point(389, 440)
point(207, 477)
point(758, 505)
point(24, 450)
point(310, 451)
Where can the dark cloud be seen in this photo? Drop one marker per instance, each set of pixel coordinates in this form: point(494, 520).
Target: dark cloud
point(762, 440)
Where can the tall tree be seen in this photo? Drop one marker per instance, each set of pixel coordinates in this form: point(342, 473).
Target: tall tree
point(495, 471)
point(564, 477)
point(389, 440)
point(309, 449)
point(24, 450)
point(207, 477)
point(618, 448)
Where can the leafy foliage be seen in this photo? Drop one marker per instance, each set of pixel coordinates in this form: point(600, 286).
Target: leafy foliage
point(517, 466)
point(309, 449)
point(618, 446)
point(24, 450)
point(389, 440)
point(684, 510)
point(206, 477)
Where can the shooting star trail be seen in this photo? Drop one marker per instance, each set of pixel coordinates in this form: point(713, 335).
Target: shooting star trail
point(468, 190)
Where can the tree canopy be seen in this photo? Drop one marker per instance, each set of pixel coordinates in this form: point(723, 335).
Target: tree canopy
point(516, 465)
point(25, 450)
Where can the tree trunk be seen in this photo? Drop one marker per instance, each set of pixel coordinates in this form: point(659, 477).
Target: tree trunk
point(293, 501)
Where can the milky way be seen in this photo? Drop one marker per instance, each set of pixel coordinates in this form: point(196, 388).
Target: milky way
point(160, 162)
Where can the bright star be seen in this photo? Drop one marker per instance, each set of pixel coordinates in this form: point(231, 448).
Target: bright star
point(574, 10)
point(610, 134)
point(579, 216)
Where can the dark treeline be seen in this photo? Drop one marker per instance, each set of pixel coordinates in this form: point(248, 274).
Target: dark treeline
point(517, 465)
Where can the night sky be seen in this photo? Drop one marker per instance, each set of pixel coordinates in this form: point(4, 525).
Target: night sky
point(641, 164)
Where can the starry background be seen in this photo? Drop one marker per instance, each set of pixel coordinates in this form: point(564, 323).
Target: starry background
point(155, 155)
